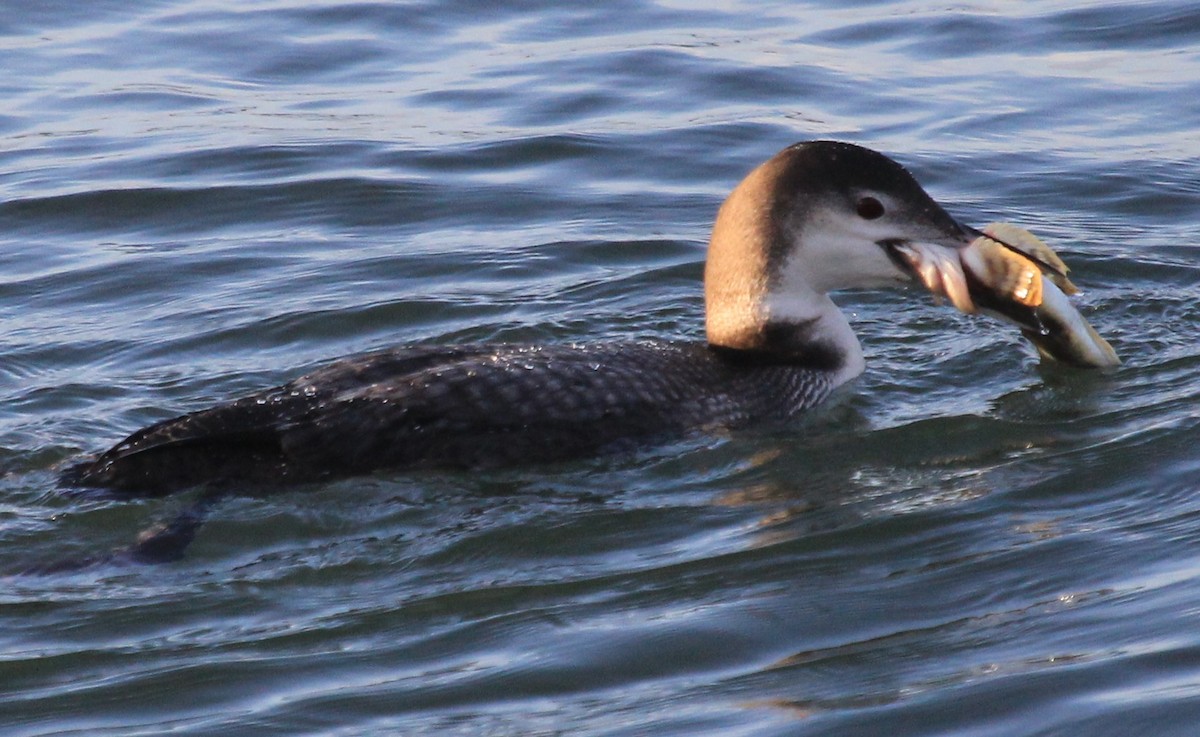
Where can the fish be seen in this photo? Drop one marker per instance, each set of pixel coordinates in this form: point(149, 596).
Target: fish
point(1010, 273)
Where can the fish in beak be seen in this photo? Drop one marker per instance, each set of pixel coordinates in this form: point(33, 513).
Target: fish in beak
point(1008, 272)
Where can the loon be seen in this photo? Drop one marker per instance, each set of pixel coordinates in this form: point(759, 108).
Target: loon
point(817, 217)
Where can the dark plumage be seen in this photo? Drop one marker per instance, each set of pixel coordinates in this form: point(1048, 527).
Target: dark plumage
point(458, 407)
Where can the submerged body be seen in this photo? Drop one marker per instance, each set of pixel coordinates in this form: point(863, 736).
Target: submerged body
point(817, 217)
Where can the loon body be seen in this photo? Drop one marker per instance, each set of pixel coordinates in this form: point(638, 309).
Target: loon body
point(470, 406)
point(817, 217)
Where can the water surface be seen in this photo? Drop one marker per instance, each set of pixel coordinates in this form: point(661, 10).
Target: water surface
point(199, 199)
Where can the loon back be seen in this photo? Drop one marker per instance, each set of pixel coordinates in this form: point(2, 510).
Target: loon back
point(459, 407)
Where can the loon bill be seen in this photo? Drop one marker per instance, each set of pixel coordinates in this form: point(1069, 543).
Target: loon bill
point(817, 217)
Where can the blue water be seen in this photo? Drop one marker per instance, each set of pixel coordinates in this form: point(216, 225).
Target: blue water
point(199, 199)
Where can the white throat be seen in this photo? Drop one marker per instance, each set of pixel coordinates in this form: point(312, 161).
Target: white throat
point(820, 323)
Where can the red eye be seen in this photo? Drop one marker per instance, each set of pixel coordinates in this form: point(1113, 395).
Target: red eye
point(870, 208)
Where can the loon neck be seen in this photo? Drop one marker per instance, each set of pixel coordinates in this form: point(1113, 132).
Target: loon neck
point(750, 306)
point(811, 332)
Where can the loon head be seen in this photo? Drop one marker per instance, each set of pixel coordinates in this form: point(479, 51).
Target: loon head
point(817, 217)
